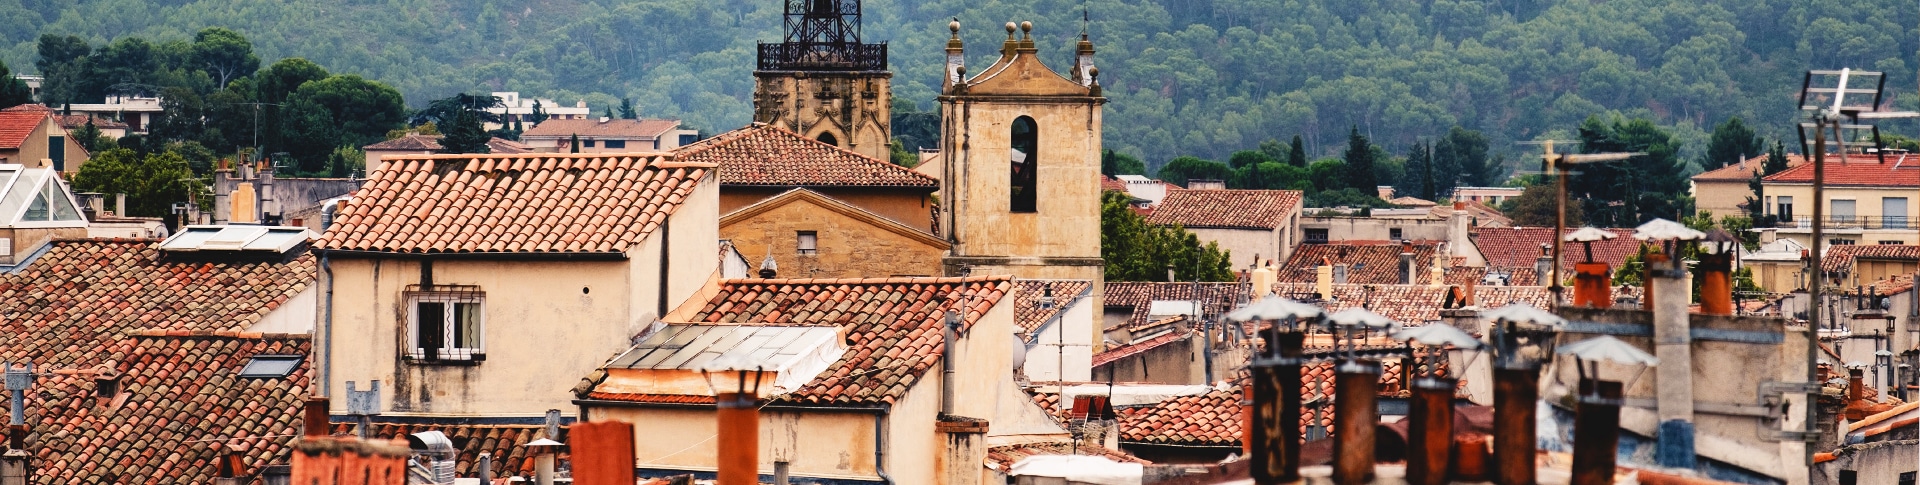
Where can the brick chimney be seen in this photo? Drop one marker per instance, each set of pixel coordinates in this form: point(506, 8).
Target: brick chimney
point(1543, 266)
point(1671, 291)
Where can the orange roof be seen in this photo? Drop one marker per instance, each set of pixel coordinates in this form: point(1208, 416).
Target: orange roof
point(894, 326)
point(418, 142)
point(507, 443)
point(1137, 348)
point(1863, 171)
point(594, 128)
point(17, 124)
point(534, 203)
point(1027, 313)
point(1369, 262)
point(768, 155)
point(1519, 247)
point(1226, 209)
point(1841, 258)
point(1744, 171)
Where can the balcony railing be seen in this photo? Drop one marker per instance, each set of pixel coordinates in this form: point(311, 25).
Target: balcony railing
point(1851, 222)
point(823, 56)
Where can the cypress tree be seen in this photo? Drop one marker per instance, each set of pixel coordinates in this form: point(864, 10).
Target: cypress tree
point(1297, 154)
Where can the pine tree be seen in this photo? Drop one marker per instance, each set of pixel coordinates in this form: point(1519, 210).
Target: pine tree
point(574, 144)
point(539, 113)
point(1359, 159)
point(626, 110)
point(465, 135)
point(1297, 153)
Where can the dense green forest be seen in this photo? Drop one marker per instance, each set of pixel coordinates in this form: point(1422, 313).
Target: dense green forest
point(1186, 77)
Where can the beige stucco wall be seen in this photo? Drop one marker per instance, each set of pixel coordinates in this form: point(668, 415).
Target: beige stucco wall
point(1174, 363)
point(857, 109)
point(1722, 197)
point(1064, 343)
point(848, 247)
point(1867, 203)
point(548, 323)
point(1778, 277)
point(296, 315)
point(1377, 229)
point(36, 148)
point(684, 439)
point(20, 242)
point(1243, 245)
point(1067, 222)
point(911, 207)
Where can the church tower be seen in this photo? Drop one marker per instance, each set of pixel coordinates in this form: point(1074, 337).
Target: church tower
point(1021, 181)
point(823, 82)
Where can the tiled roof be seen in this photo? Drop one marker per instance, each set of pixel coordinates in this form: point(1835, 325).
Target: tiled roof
point(1745, 170)
point(1519, 247)
point(894, 326)
point(1415, 304)
point(1211, 419)
point(1862, 171)
point(1110, 184)
point(1522, 276)
point(1229, 209)
point(1006, 456)
point(74, 122)
point(1478, 213)
point(506, 443)
point(1137, 348)
point(543, 203)
point(1215, 298)
point(1369, 262)
point(81, 294)
point(767, 155)
point(1027, 314)
point(1893, 285)
point(594, 128)
point(1412, 202)
point(418, 142)
point(1841, 258)
point(182, 398)
point(17, 124)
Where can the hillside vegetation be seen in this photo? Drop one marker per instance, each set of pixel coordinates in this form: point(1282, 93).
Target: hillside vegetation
point(1186, 77)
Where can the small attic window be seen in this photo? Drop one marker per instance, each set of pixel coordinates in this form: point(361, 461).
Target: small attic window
point(271, 366)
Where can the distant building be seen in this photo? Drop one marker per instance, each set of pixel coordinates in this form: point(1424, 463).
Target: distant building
point(1724, 191)
point(138, 112)
point(606, 135)
point(31, 136)
point(416, 144)
point(1491, 196)
point(1245, 223)
point(1867, 202)
point(515, 108)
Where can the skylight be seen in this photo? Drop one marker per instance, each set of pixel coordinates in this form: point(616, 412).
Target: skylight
point(241, 238)
point(271, 366)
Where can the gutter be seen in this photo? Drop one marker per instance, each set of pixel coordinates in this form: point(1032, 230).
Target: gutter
point(497, 256)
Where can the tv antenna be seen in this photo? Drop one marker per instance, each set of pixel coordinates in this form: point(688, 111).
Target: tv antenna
point(1554, 165)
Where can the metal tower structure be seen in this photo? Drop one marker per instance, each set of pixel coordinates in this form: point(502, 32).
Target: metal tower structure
point(823, 35)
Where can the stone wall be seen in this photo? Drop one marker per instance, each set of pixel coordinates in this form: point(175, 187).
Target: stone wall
point(848, 246)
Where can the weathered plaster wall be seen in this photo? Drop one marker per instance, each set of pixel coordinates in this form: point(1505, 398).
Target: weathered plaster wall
point(912, 207)
point(1243, 245)
point(815, 444)
point(847, 247)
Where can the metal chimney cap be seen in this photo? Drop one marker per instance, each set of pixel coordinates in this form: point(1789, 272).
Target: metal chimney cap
point(1274, 308)
point(1437, 335)
point(1357, 316)
point(543, 442)
point(1662, 229)
point(1589, 234)
point(1523, 313)
point(1610, 349)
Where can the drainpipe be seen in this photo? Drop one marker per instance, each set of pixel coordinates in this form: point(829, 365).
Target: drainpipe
point(880, 447)
point(946, 366)
point(1673, 344)
point(326, 324)
point(1356, 386)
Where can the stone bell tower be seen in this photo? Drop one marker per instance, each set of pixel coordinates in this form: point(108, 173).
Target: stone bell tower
point(1022, 170)
point(823, 82)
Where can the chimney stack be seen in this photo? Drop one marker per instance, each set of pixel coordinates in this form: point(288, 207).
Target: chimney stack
point(315, 417)
point(1672, 337)
point(1514, 427)
point(1458, 243)
point(1323, 281)
point(1339, 274)
point(1275, 433)
point(1593, 284)
point(1597, 436)
point(120, 204)
point(1716, 283)
point(1543, 266)
point(1356, 386)
point(1406, 263)
point(1430, 430)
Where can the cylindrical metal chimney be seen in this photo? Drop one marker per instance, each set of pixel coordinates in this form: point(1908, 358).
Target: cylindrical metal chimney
point(1430, 430)
point(1593, 284)
point(1716, 283)
point(1514, 432)
point(1356, 386)
point(1276, 412)
point(739, 434)
point(1596, 438)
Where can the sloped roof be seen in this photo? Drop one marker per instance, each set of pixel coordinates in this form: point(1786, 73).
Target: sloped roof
point(1137, 348)
point(17, 123)
point(894, 326)
point(1006, 456)
point(1227, 209)
point(1019, 72)
point(835, 205)
point(182, 399)
point(1110, 184)
point(594, 128)
point(506, 443)
point(431, 143)
point(54, 311)
point(767, 155)
point(537, 203)
point(1861, 171)
point(1519, 247)
point(1027, 314)
point(1215, 298)
point(1369, 262)
point(74, 122)
point(1745, 170)
point(1841, 257)
point(1412, 201)
point(1479, 213)
point(1213, 419)
point(1414, 304)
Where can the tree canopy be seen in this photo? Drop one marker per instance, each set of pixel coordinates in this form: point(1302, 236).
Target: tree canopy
point(1137, 251)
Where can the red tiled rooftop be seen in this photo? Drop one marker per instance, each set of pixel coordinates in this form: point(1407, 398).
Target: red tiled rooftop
point(1212, 419)
point(767, 155)
point(1745, 170)
point(1519, 247)
point(1842, 257)
point(894, 326)
point(417, 142)
point(17, 124)
point(1368, 262)
point(1226, 209)
point(540, 203)
point(1027, 312)
point(1006, 456)
point(1860, 171)
point(1137, 348)
point(506, 443)
point(1215, 298)
point(594, 128)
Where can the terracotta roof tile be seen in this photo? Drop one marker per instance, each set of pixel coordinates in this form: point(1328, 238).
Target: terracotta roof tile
point(418, 142)
point(594, 128)
point(1211, 419)
point(1006, 456)
point(1862, 171)
point(508, 203)
point(1027, 314)
point(182, 397)
point(1110, 184)
point(507, 443)
point(767, 155)
point(74, 122)
point(1230, 209)
point(1842, 257)
point(1137, 348)
point(17, 125)
point(1519, 247)
point(1369, 262)
point(894, 325)
point(1215, 298)
point(1745, 170)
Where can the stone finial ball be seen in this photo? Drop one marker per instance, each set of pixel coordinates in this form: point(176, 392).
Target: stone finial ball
point(1010, 28)
point(954, 26)
point(1026, 26)
point(960, 69)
